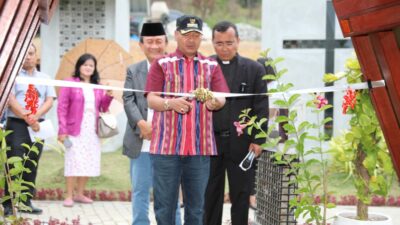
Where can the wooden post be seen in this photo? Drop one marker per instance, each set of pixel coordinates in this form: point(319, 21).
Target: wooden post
point(373, 27)
point(19, 23)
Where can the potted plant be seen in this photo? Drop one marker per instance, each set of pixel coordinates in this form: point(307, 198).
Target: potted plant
point(361, 151)
point(306, 139)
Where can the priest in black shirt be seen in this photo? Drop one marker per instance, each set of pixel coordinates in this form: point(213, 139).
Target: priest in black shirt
point(243, 75)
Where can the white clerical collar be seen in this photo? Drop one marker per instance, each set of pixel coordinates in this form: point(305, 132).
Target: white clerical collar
point(226, 62)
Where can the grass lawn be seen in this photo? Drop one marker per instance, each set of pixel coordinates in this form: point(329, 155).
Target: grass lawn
point(339, 186)
point(115, 175)
point(114, 172)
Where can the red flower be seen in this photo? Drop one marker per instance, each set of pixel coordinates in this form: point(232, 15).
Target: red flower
point(320, 101)
point(349, 100)
point(239, 127)
point(31, 99)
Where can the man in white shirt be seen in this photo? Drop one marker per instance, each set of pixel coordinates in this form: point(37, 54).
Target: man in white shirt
point(19, 119)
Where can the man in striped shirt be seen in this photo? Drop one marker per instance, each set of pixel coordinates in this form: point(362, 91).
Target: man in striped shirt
point(183, 137)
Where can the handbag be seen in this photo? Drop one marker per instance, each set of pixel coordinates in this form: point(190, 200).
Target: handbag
point(107, 126)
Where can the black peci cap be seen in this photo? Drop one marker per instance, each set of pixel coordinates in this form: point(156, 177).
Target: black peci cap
point(186, 24)
point(152, 29)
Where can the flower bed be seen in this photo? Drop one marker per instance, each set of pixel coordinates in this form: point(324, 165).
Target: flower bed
point(58, 195)
point(352, 200)
point(51, 221)
point(124, 196)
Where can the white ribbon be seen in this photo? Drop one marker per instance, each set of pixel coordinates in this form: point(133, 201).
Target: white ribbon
point(63, 83)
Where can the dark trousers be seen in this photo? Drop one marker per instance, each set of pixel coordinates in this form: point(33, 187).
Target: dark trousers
point(239, 188)
point(20, 135)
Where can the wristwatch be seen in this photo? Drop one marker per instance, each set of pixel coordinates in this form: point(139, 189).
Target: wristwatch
point(166, 105)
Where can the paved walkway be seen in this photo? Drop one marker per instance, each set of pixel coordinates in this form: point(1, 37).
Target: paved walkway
point(100, 213)
point(119, 213)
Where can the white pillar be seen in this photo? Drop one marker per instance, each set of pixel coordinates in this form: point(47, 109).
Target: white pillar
point(49, 41)
point(121, 23)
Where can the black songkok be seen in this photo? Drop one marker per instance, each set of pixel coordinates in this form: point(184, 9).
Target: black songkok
point(152, 29)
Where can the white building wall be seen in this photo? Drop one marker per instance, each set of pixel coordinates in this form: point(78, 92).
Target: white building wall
point(121, 23)
point(302, 20)
point(116, 24)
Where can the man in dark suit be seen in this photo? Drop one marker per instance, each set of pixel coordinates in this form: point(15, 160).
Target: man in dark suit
point(243, 75)
point(136, 144)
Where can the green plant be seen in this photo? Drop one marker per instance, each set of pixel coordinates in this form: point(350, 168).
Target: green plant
point(11, 172)
point(361, 151)
point(310, 184)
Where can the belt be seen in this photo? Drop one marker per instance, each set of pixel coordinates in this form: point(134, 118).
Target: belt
point(14, 119)
point(224, 133)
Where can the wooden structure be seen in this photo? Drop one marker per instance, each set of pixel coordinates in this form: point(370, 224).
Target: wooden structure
point(374, 27)
point(19, 22)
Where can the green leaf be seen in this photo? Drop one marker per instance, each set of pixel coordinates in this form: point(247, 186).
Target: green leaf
point(356, 131)
point(288, 144)
point(4, 134)
point(33, 162)
point(14, 159)
point(26, 146)
point(272, 90)
point(281, 103)
point(311, 162)
point(310, 137)
point(303, 190)
point(269, 77)
point(271, 143)
point(281, 119)
point(278, 156)
point(292, 115)
point(329, 77)
point(35, 149)
point(370, 129)
point(352, 64)
point(289, 128)
point(302, 137)
point(5, 198)
point(28, 183)
point(264, 53)
point(249, 130)
point(286, 87)
point(277, 60)
point(246, 111)
point(303, 126)
point(2, 181)
point(293, 99)
point(325, 107)
point(260, 135)
point(23, 197)
point(384, 158)
point(326, 120)
point(300, 147)
point(15, 171)
point(280, 73)
point(364, 120)
point(370, 162)
point(261, 122)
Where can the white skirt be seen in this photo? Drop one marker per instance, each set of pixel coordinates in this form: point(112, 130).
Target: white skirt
point(83, 158)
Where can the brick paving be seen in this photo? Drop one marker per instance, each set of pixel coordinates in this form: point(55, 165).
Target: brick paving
point(119, 213)
point(99, 213)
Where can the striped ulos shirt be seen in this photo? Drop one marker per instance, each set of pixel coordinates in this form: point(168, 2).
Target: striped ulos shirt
point(191, 133)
